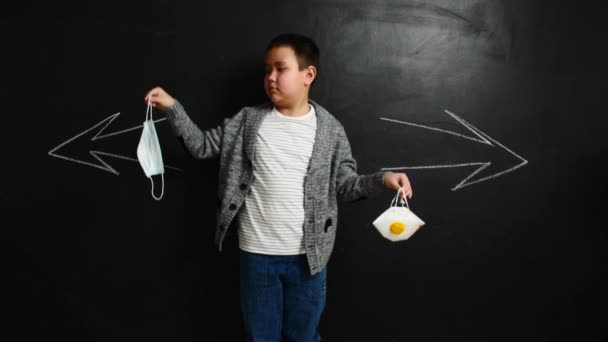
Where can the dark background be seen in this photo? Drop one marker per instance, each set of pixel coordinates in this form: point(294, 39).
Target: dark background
point(90, 256)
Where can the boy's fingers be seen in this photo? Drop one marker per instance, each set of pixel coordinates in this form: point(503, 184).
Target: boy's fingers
point(153, 93)
point(153, 99)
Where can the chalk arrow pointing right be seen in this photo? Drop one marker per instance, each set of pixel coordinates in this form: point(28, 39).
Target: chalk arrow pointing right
point(481, 138)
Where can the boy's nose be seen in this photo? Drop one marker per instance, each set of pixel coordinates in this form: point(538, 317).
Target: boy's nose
point(272, 76)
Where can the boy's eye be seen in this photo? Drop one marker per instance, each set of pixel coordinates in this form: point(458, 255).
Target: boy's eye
point(269, 71)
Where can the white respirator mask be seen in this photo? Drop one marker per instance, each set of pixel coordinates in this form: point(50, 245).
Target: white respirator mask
point(148, 152)
point(398, 222)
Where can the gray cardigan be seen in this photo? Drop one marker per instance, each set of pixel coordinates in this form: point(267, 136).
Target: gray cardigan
point(332, 172)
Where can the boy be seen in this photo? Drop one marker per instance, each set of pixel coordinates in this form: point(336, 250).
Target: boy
point(283, 165)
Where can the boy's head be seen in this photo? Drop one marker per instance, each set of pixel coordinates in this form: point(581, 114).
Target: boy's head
point(292, 62)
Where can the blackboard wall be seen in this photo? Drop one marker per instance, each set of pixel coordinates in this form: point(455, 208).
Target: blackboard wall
point(513, 252)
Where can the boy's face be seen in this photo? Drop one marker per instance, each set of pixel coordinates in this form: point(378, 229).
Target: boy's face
point(284, 83)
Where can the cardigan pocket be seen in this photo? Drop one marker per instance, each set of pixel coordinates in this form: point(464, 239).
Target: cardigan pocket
point(328, 224)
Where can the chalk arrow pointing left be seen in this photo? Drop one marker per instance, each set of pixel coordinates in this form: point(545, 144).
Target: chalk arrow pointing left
point(55, 152)
point(481, 165)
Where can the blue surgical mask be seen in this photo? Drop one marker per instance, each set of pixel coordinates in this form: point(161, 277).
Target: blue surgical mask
point(149, 153)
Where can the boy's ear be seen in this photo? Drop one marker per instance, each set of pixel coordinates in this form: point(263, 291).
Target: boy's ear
point(311, 74)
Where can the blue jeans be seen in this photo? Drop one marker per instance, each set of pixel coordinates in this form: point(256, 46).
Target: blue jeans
point(280, 300)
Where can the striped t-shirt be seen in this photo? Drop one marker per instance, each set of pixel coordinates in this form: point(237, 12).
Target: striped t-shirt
point(272, 219)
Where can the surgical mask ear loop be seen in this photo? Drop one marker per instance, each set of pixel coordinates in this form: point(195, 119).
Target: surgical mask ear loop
point(149, 110)
point(162, 191)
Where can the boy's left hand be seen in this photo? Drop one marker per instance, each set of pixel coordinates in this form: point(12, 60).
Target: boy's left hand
point(395, 181)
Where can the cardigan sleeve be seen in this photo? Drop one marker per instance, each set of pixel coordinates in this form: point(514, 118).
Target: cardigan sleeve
point(201, 144)
point(351, 186)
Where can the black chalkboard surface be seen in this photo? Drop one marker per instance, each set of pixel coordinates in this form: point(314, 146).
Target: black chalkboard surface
point(492, 108)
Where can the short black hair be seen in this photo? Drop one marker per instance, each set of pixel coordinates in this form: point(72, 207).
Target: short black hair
point(304, 47)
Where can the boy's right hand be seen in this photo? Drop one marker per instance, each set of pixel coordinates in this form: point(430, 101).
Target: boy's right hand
point(159, 98)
